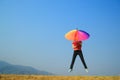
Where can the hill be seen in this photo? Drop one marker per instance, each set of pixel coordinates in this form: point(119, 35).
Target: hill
point(7, 68)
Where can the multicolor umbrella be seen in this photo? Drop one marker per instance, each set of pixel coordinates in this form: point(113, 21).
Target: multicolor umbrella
point(77, 35)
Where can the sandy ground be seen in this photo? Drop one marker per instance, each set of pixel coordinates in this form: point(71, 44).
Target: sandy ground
point(43, 77)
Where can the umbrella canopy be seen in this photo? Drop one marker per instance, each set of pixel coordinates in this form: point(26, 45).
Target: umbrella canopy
point(77, 35)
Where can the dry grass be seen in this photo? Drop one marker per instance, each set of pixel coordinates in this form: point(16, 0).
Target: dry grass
point(42, 77)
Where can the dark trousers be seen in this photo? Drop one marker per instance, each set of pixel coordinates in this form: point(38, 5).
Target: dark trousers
point(78, 52)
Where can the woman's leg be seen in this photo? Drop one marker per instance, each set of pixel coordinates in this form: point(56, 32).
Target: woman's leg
point(73, 60)
point(82, 59)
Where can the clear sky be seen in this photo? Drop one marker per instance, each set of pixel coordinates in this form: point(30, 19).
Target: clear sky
point(32, 34)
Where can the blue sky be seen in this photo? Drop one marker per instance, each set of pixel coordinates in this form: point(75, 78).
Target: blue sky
point(32, 34)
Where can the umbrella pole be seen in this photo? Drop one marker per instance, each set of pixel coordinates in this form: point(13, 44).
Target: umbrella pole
point(76, 28)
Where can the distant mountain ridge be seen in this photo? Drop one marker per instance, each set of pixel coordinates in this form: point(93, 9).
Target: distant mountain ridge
point(7, 68)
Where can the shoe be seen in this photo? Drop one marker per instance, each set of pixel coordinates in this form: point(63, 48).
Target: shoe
point(69, 70)
point(86, 70)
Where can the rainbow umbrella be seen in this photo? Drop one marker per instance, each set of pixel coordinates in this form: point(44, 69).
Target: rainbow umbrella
point(77, 35)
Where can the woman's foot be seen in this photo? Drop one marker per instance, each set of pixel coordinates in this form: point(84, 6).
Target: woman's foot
point(86, 70)
point(69, 70)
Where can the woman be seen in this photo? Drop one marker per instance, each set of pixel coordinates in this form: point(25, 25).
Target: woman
point(76, 45)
